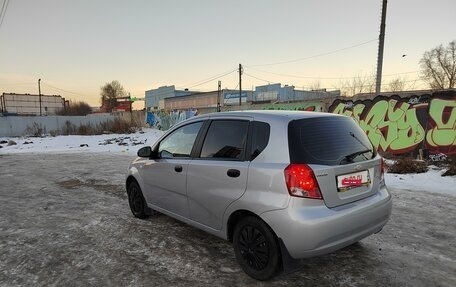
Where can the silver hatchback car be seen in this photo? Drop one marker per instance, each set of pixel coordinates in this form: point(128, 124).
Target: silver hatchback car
point(280, 185)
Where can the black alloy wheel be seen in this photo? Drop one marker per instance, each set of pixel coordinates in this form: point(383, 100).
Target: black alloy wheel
point(136, 200)
point(253, 247)
point(256, 248)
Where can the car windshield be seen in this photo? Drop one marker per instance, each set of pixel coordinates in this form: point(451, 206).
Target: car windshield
point(328, 140)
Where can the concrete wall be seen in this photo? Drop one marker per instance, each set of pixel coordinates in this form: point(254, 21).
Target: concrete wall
point(138, 117)
point(14, 126)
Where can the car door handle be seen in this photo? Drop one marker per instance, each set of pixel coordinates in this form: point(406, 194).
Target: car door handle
point(178, 168)
point(233, 173)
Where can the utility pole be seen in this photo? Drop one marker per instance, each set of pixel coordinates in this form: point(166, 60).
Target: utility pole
point(39, 93)
point(381, 43)
point(131, 108)
point(240, 84)
point(219, 108)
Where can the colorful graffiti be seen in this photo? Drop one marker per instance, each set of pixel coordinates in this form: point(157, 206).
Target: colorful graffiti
point(164, 120)
point(401, 125)
point(395, 124)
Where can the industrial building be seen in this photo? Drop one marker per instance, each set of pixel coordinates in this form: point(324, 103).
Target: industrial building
point(31, 105)
point(275, 93)
point(205, 100)
point(169, 99)
point(155, 98)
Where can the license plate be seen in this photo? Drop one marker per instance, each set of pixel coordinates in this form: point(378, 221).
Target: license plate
point(352, 180)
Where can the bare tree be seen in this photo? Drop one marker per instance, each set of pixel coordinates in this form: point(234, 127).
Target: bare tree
point(315, 85)
point(438, 66)
point(397, 85)
point(109, 94)
point(356, 85)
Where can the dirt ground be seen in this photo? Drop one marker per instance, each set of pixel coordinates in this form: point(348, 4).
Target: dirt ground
point(65, 221)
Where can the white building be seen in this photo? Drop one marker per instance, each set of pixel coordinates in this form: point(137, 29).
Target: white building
point(26, 104)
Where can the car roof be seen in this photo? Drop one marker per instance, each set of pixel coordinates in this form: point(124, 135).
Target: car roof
point(271, 114)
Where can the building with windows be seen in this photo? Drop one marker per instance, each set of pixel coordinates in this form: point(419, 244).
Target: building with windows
point(275, 93)
point(154, 99)
point(205, 101)
point(169, 99)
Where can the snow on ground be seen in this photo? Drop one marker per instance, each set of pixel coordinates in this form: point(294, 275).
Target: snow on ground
point(129, 144)
point(114, 143)
point(431, 181)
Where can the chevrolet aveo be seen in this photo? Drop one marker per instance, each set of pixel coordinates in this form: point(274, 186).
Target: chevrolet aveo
point(280, 185)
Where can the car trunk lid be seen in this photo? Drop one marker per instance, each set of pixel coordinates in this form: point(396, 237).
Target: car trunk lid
point(344, 161)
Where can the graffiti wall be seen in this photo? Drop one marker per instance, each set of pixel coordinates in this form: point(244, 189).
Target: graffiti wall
point(401, 124)
point(163, 120)
point(404, 125)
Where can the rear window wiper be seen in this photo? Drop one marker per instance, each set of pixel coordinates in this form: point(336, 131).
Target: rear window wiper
point(350, 157)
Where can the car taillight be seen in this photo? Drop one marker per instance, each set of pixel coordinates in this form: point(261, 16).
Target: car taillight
point(301, 181)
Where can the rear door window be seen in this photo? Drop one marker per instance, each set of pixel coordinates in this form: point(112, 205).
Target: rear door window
point(225, 140)
point(260, 138)
point(328, 140)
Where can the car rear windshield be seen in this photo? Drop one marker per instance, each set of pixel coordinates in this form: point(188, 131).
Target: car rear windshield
point(328, 140)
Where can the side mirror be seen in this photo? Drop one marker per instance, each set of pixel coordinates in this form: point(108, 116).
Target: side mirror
point(145, 152)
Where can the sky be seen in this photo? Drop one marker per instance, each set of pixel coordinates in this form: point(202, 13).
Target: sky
point(75, 47)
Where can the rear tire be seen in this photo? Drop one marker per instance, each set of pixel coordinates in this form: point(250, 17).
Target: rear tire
point(136, 201)
point(256, 248)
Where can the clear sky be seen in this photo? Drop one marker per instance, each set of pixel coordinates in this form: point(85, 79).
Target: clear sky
point(77, 46)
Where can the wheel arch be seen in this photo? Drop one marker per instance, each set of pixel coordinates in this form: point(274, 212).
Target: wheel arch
point(236, 216)
point(129, 180)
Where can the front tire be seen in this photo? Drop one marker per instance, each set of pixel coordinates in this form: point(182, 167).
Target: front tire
point(136, 200)
point(256, 249)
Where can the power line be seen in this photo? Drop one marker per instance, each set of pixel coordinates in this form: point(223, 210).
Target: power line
point(314, 56)
point(335, 87)
point(3, 12)
point(66, 91)
point(326, 78)
point(257, 78)
point(207, 80)
point(383, 84)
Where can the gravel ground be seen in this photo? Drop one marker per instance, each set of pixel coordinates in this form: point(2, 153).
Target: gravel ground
point(65, 221)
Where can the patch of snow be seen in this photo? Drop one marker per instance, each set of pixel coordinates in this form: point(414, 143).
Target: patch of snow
point(430, 181)
point(114, 143)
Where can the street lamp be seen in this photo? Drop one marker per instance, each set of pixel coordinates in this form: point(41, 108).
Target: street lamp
point(39, 93)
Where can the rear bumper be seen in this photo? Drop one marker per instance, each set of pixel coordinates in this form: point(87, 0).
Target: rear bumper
point(308, 228)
